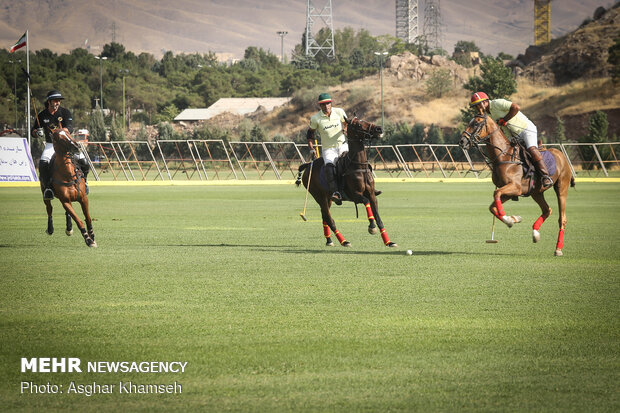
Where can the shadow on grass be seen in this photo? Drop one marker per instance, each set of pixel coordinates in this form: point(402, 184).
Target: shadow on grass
point(287, 249)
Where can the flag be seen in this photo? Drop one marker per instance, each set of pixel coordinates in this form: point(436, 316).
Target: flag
point(20, 43)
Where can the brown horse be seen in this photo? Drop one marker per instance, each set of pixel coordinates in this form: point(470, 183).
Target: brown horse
point(359, 185)
point(507, 174)
point(69, 186)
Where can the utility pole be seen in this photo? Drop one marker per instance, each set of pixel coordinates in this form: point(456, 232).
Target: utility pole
point(123, 73)
point(101, 59)
point(282, 34)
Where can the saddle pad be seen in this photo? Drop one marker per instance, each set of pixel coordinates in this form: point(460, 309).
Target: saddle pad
point(549, 161)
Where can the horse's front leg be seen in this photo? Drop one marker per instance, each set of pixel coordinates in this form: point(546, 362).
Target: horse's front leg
point(50, 219)
point(372, 210)
point(69, 209)
point(501, 195)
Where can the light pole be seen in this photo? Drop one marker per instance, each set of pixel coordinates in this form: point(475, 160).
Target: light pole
point(381, 56)
point(15, 88)
point(282, 34)
point(124, 72)
point(101, 59)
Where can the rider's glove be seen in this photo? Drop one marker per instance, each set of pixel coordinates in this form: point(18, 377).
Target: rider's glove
point(502, 122)
point(40, 133)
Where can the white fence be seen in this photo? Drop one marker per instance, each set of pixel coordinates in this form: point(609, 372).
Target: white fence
point(215, 160)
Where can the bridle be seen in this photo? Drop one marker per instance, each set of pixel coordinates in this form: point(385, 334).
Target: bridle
point(476, 140)
point(364, 136)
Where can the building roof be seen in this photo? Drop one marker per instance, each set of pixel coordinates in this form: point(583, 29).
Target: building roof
point(237, 106)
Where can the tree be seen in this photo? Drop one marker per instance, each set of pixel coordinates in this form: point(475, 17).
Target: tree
point(560, 131)
point(439, 83)
point(598, 126)
point(96, 125)
point(464, 46)
point(496, 80)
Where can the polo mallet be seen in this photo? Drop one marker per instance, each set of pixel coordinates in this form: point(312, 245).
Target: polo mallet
point(303, 214)
point(492, 240)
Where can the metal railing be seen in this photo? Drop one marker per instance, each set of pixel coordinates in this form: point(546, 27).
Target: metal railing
point(214, 160)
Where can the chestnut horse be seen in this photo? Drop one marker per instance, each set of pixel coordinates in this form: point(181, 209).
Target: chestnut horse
point(507, 174)
point(69, 186)
point(359, 185)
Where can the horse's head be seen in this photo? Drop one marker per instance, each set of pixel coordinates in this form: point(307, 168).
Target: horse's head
point(62, 141)
point(478, 130)
point(361, 130)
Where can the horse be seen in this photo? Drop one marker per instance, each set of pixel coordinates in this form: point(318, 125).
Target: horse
point(359, 185)
point(504, 159)
point(69, 186)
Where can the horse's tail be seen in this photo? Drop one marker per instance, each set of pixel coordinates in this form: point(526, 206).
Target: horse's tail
point(300, 172)
point(572, 181)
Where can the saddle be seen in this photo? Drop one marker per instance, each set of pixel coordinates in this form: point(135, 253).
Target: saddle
point(344, 167)
point(529, 170)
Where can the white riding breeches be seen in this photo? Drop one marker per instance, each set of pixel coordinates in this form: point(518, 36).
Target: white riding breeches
point(48, 151)
point(530, 135)
point(331, 154)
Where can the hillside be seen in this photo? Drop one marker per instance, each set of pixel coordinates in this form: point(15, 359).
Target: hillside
point(189, 26)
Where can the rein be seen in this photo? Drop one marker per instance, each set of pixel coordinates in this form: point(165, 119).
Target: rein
point(475, 139)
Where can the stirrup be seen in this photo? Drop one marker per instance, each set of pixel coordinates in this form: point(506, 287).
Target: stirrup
point(547, 181)
point(48, 194)
point(86, 186)
point(337, 198)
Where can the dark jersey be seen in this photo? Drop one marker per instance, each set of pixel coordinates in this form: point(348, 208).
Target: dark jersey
point(49, 122)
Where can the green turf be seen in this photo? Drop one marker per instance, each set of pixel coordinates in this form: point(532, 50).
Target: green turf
point(230, 280)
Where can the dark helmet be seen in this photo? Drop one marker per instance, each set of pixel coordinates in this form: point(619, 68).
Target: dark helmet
point(53, 94)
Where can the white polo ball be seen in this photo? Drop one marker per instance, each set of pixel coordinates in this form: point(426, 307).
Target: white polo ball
point(409, 252)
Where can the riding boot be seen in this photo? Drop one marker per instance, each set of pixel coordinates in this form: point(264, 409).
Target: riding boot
point(85, 169)
point(540, 166)
point(330, 175)
point(45, 176)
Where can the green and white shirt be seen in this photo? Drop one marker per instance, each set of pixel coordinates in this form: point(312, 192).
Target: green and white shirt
point(329, 128)
point(499, 108)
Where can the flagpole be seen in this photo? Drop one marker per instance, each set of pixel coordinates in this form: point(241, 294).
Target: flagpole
point(28, 85)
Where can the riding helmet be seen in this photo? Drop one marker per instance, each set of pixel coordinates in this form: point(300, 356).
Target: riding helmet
point(324, 98)
point(53, 94)
point(478, 97)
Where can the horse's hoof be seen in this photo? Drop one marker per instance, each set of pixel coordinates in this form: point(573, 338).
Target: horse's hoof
point(535, 236)
point(391, 245)
point(329, 243)
point(516, 218)
point(558, 253)
point(372, 230)
point(69, 232)
point(346, 244)
point(508, 221)
point(48, 232)
point(93, 245)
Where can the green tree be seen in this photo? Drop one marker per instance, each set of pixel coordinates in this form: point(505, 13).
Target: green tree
point(96, 125)
point(439, 83)
point(598, 127)
point(464, 46)
point(559, 135)
point(434, 135)
point(496, 80)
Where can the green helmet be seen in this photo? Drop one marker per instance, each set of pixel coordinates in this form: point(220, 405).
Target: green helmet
point(324, 98)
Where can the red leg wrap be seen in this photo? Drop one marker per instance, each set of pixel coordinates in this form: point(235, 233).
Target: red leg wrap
point(384, 236)
point(369, 212)
point(539, 222)
point(560, 244)
point(339, 236)
point(326, 230)
point(500, 208)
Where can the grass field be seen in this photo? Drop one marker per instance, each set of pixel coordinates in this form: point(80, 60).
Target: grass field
point(231, 281)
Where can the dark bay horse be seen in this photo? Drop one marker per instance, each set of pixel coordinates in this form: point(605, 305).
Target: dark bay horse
point(359, 185)
point(508, 177)
point(69, 186)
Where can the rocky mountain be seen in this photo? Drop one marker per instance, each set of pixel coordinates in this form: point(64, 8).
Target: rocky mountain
point(232, 25)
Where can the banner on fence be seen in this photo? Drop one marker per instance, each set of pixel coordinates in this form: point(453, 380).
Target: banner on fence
point(15, 161)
